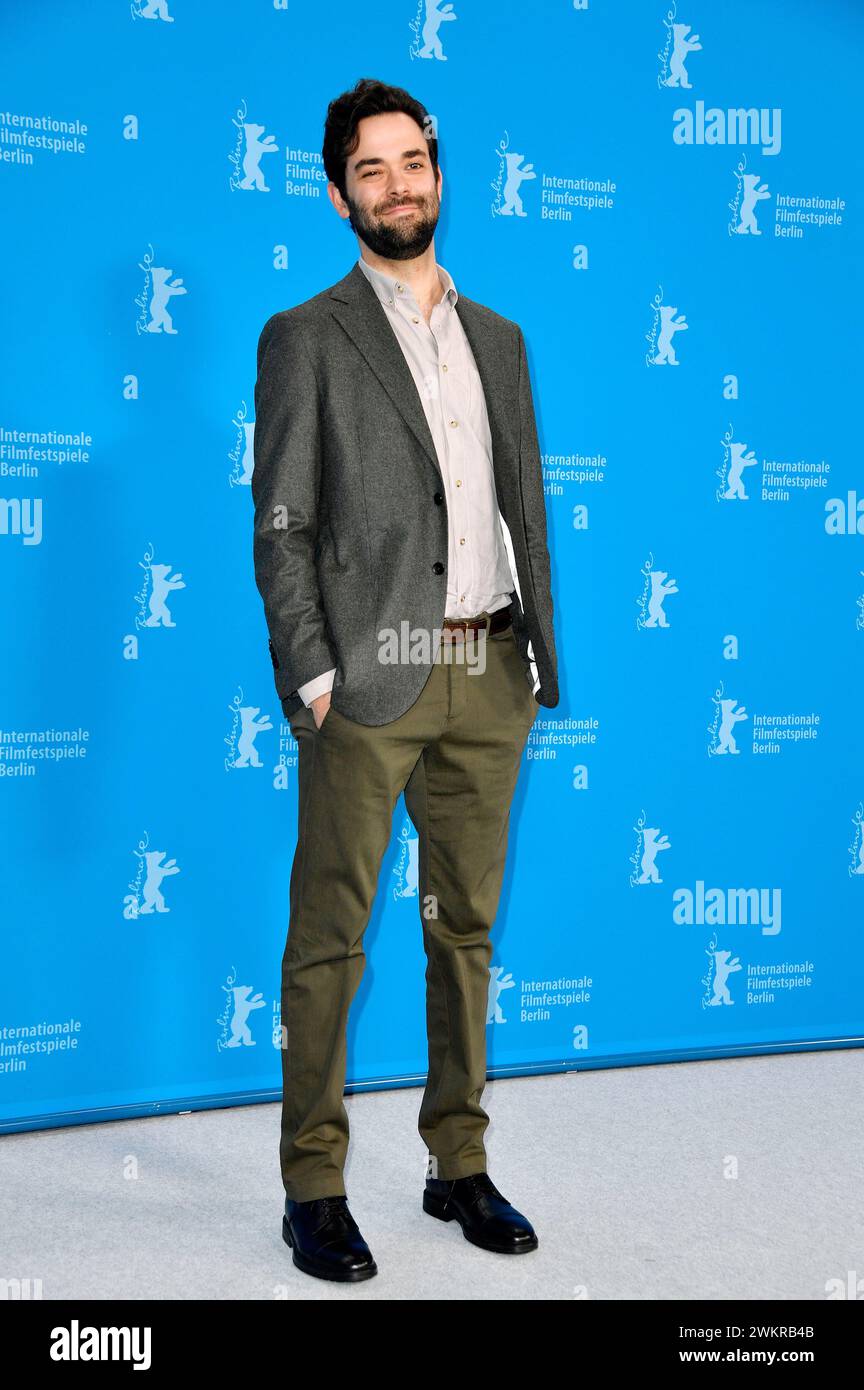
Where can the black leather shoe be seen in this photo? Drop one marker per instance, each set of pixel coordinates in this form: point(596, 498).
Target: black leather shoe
point(326, 1239)
point(487, 1219)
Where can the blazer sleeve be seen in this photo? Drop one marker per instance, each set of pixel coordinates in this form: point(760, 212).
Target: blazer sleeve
point(533, 497)
point(286, 478)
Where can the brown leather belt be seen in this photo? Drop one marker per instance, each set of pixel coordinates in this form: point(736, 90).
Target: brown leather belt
point(489, 622)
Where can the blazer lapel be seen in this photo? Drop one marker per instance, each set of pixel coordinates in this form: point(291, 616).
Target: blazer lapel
point(358, 309)
point(361, 314)
point(491, 351)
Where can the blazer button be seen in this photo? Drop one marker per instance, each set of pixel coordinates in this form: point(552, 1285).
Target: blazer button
point(437, 568)
point(438, 498)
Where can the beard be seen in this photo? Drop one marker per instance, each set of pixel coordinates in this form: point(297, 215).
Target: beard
point(397, 238)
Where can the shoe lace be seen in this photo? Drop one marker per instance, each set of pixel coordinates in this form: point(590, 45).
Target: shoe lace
point(480, 1185)
point(328, 1204)
point(330, 1207)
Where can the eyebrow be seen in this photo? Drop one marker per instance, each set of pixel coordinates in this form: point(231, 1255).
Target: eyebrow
point(406, 154)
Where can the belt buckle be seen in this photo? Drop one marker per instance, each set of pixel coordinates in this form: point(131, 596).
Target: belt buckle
point(473, 623)
point(462, 625)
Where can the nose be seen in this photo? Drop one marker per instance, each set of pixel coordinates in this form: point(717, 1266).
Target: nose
point(397, 189)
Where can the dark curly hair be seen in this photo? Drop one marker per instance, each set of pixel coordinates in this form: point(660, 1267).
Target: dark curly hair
point(368, 98)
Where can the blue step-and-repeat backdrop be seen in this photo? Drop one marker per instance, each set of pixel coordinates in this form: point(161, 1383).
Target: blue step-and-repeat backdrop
point(667, 199)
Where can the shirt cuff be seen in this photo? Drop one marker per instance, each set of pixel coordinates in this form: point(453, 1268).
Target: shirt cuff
point(532, 665)
point(319, 686)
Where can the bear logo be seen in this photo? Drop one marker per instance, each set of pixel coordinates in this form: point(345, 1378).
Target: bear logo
point(659, 590)
point(741, 459)
point(255, 147)
point(247, 462)
point(515, 177)
point(724, 966)
point(754, 192)
point(682, 47)
point(163, 290)
point(652, 843)
point(250, 727)
point(243, 1006)
point(163, 583)
point(431, 38)
point(498, 982)
point(151, 896)
point(730, 715)
point(156, 9)
point(669, 326)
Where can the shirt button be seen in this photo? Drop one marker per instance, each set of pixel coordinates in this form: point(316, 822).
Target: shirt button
point(414, 318)
point(458, 482)
point(454, 423)
point(461, 540)
point(443, 366)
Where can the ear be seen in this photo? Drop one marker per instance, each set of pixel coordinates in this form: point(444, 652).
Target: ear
point(338, 201)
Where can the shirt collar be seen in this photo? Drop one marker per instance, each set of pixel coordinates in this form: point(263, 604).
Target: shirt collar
point(387, 286)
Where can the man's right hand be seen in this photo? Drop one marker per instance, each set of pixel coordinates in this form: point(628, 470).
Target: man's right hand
point(319, 707)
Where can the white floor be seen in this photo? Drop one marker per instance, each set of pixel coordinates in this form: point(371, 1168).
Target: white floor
point(625, 1175)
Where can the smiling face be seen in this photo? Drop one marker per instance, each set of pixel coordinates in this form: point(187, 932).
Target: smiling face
point(393, 195)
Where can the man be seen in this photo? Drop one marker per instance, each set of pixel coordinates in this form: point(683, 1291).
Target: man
point(400, 551)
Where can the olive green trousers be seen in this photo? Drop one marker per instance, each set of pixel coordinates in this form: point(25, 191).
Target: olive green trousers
point(456, 753)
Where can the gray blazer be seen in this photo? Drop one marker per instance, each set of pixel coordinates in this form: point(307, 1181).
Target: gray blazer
point(350, 529)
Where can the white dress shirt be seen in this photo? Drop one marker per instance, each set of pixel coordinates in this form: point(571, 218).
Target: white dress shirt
point(481, 570)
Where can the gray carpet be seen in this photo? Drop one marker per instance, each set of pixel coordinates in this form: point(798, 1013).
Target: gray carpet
point(624, 1174)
